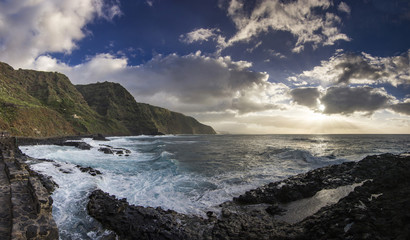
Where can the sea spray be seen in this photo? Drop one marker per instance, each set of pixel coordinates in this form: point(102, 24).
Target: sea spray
point(189, 174)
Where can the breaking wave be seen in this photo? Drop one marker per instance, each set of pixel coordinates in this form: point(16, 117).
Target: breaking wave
point(189, 174)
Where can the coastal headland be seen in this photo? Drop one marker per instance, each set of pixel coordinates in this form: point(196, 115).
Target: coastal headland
point(368, 199)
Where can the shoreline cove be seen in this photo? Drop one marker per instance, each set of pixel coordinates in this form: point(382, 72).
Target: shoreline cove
point(364, 209)
point(254, 214)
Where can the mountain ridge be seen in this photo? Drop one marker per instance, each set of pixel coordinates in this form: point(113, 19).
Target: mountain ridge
point(45, 104)
point(114, 101)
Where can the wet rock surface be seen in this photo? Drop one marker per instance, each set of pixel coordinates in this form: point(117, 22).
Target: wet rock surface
point(26, 205)
point(24, 141)
point(100, 137)
point(134, 222)
point(378, 208)
point(89, 170)
point(73, 141)
point(79, 145)
point(107, 149)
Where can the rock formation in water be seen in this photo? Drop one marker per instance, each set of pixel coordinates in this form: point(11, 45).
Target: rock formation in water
point(377, 206)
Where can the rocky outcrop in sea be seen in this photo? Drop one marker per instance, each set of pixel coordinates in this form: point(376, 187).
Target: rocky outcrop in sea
point(369, 199)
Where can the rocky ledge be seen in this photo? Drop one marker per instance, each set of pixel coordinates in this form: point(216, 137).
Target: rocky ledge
point(26, 205)
point(369, 199)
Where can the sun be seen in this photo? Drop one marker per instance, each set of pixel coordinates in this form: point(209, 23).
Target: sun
point(321, 107)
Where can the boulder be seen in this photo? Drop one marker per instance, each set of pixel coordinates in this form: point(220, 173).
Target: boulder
point(100, 137)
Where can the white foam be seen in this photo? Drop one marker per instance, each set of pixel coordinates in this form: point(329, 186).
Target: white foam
point(189, 174)
point(70, 199)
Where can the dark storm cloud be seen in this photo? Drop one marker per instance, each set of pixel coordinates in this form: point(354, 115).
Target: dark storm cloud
point(357, 67)
point(351, 68)
point(305, 96)
point(345, 100)
point(401, 108)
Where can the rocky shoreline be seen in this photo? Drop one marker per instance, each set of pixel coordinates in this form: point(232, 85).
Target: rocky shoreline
point(26, 205)
point(369, 199)
point(23, 141)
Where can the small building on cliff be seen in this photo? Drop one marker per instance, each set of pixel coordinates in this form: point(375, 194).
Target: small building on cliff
point(4, 134)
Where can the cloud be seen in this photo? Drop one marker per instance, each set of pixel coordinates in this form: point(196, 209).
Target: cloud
point(403, 107)
point(231, 97)
point(276, 54)
point(150, 3)
point(254, 47)
point(343, 7)
point(199, 35)
point(308, 21)
point(190, 84)
point(357, 67)
point(306, 96)
point(351, 68)
point(347, 100)
point(29, 29)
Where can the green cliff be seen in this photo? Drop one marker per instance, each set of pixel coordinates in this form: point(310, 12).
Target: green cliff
point(43, 104)
point(114, 101)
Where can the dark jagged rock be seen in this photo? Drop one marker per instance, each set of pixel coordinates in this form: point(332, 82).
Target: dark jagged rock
point(378, 208)
point(307, 184)
point(25, 141)
point(107, 149)
point(66, 171)
point(134, 222)
point(89, 170)
point(80, 145)
point(59, 141)
point(47, 181)
point(100, 137)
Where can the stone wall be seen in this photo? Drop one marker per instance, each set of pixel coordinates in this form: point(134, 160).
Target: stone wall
point(26, 205)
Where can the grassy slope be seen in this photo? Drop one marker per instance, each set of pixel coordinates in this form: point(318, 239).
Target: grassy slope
point(114, 101)
point(44, 104)
point(34, 103)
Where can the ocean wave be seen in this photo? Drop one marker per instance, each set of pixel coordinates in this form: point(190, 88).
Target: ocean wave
point(191, 174)
point(310, 140)
point(303, 155)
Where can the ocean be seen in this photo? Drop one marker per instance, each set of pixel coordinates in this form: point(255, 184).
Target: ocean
point(190, 174)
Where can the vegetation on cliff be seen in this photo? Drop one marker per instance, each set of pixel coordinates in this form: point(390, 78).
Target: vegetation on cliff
point(113, 101)
point(43, 104)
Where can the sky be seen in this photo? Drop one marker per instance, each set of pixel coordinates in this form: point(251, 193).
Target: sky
point(241, 66)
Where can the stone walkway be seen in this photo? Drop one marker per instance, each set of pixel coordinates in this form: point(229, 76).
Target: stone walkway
point(25, 204)
point(5, 204)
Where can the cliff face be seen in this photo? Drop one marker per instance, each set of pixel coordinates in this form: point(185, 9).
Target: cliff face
point(44, 104)
point(34, 103)
point(114, 101)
